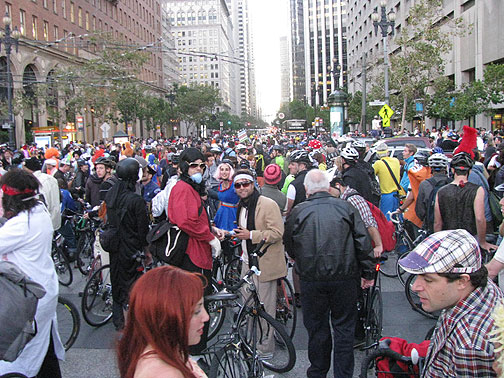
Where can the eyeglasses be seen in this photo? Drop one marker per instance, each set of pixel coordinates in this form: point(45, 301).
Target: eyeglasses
point(245, 184)
point(196, 165)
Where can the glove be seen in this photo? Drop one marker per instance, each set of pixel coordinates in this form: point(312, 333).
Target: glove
point(216, 247)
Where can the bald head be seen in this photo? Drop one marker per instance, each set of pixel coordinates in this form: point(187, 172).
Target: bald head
point(316, 181)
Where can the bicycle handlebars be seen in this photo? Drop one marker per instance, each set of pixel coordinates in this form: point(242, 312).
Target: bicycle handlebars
point(254, 266)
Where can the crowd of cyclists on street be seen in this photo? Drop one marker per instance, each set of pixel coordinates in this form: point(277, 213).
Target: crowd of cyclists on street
point(314, 201)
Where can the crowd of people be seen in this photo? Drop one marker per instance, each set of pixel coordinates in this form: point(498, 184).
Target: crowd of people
point(312, 200)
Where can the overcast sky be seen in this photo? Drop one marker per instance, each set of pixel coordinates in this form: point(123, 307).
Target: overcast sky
point(269, 21)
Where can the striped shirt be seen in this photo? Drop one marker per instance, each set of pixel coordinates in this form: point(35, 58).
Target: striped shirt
point(357, 201)
point(460, 345)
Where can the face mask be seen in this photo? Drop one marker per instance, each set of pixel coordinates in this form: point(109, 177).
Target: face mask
point(197, 178)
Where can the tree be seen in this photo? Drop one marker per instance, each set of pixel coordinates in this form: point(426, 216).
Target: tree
point(423, 41)
point(196, 103)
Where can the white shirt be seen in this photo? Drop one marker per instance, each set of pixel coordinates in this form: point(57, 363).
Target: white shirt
point(50, 189)
point(26, 240)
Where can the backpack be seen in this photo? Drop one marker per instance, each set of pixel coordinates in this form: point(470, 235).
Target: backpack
point(428, 223)
point(495, 209)
point(390, 368)
point(110, 232)
point(385, 227)
point(20, 297)
point(167, 242)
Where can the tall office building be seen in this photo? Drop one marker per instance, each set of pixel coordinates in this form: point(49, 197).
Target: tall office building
point(171, 71)
point(57, 33)
point(465, 63)
point(297, 50)
point(285, 71)
point(325, 52)
point(204, 41)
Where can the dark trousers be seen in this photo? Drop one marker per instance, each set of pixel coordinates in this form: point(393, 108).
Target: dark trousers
point(50, 366)
point(188, 265)
point(335, 301)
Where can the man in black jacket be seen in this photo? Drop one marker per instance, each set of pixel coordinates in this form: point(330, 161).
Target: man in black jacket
point(328, 239)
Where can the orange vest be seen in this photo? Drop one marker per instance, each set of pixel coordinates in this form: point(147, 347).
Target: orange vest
point(416, 175)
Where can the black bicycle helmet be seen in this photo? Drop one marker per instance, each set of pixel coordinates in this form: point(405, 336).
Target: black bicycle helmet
point(18, 158)
point(128, 169)
point(438, 161)
point(106, 161)
point(422, 157)
point(175, 159)
point(359, 145)
point(462, 161)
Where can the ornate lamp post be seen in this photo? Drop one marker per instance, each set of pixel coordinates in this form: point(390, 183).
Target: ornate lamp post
point(384, 23)
point(10, 38)
point(338, 102)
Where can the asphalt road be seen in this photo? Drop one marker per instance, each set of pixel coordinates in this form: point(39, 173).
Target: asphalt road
point(93, 356)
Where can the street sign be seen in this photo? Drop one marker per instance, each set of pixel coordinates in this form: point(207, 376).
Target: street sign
point(105, 128)
point(281, 115)
point(6, 125)
point(377, 103)
point(386, 113)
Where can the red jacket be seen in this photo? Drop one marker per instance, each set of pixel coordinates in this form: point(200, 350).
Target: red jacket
point(183, 208)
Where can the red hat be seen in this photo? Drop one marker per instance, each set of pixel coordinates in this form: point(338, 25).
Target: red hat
point(272, 174)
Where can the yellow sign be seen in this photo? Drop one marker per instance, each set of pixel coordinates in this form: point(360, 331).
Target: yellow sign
point(386, 122)
point(386, 113)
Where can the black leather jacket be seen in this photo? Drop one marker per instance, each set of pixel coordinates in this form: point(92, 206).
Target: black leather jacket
point(327, 238)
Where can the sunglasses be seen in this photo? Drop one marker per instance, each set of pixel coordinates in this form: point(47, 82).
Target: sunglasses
point(196, 165)
point(239, 185)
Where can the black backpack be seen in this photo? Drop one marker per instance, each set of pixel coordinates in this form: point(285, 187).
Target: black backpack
point(428, 223)
point(20, 297)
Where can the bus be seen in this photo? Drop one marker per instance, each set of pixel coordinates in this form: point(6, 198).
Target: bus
point(295, 126)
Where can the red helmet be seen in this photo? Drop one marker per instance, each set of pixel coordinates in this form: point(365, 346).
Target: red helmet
point(315, 144)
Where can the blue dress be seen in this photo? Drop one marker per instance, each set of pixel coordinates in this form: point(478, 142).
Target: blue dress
point(226, 215)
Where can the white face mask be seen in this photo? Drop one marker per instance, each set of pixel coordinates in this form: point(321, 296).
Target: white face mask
point(197, 178)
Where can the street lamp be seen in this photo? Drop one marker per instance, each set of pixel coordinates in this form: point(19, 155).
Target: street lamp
point(384, 23)
point(10, 38)
point(335, 71)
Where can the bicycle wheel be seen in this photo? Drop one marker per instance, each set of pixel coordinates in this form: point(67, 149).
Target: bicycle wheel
point(231, 362)
point(217, 313)
point(85, 254)
point(97, 300)
point(388, 264)
point(68, 322)
point(257, 328)
point(414, 300)
point(13, 375)
point(401, 273)
point(286, 312)
point(62, 266)
point(232, 274)
point(374, 317)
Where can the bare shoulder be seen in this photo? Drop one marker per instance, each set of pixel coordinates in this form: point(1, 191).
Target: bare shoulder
point(154, 367)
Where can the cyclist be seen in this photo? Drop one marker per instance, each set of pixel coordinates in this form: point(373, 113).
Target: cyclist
point(451, 277)
point(461, 203)
point(332, 249)
point(103, 168)
point(424, 207)
point(387, 169)
point(355, 177)
point(300, 162)
point(26, 240)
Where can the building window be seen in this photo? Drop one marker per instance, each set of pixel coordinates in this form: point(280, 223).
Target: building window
point(44, 3)
point(87, 20)
point(79, 16)
point(94, 23)
point(8, 9)
point(34, 27)
point(72, 12)
point(63, 8)
point(55, 6)
point(65, 35)
point(46, 31)
point(56, 33)
point(22, 22)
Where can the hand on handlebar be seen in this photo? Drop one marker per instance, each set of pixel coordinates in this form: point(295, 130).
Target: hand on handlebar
point(366, 283)
point(242, 233)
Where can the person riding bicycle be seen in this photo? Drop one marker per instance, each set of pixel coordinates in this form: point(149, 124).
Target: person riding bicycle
point(451, 277)
point(355, 177)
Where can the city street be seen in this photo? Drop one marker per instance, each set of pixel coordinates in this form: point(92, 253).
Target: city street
point(92, 355)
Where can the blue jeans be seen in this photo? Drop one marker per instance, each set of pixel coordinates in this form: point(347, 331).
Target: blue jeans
point(334, 301)
point(389, 202)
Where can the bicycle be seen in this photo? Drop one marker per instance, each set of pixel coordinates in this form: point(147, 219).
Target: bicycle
point(96, 303)
point(371, 312)
point(85, 230)
point(369, 367)
point(68, 322)
point(240, 357)
point(60, 259)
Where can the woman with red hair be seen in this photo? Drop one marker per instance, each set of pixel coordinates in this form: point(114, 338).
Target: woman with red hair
point(166, 316)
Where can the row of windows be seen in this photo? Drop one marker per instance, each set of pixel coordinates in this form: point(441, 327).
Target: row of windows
point(189, 18)
point(195, 33)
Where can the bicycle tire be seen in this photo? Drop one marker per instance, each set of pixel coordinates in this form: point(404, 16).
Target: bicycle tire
point(216, 312)
point(13, 375)
point(286, 311)
point(386, 267)
point(412, 298)
point(259, 322)
point(68, 334)
point(96, 304)
point(374, 323)
point(232, 274)
point(231, 362)
point(62, 266)
point(85, 253)
point(401, 273)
